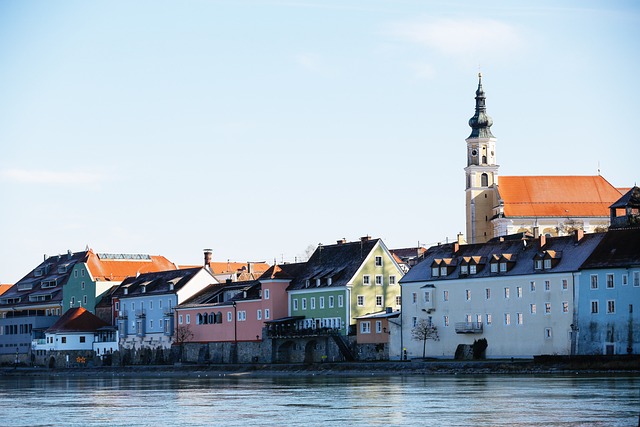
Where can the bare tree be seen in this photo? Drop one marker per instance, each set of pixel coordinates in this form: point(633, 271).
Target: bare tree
point(423, 331)
point(182, 334)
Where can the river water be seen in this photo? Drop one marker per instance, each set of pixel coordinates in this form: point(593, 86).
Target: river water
point(321, 401)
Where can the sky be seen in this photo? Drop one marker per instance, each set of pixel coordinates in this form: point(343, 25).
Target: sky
point(261, 128)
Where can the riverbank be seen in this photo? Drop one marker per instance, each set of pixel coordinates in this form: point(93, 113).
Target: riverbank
point(546, 366)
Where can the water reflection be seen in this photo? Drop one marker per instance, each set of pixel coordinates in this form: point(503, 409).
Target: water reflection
point(326, 401)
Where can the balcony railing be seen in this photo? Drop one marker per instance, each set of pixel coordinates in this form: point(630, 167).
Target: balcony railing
point(140, 313)
point(468, 328)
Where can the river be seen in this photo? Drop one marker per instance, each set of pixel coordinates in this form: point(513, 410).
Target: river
point(446, 400)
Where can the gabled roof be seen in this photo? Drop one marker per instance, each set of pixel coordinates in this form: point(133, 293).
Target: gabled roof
point(631, 198)
point(338, 262)
point(556, 196)
point(224, 293)
point(618, 248)
point(77, 319)
point(573, 255)
point(158, 282)
point(282, 271)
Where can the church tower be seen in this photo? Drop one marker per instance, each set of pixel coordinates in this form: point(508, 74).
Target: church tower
point(481, 173)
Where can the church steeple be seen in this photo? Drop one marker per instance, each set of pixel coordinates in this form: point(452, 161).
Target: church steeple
point(480, 122)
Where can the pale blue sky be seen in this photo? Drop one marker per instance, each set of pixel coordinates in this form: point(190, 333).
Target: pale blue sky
point(258, 128)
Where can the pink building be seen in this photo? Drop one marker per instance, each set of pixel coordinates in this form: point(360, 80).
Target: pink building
point(236, 311)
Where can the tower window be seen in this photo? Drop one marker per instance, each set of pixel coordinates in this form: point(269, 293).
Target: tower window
point(484, 180)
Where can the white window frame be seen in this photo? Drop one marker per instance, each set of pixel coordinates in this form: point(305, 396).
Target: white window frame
point(295, 304)
point(378, 261)
point(625, 279)
point(180, 319)
point(565, 306)
point(360, 300)
point(365, 327)
point(547, 308)
point(593, 281)
point(489, 318)
point(259, 314)
point(229, 317)
point(392, 279)
point(507, 319)
point(611, 306)
point(340, 301)
point(467, 293)
point(398, 301)
point(379, 280)
point(304, 303)
point(379, 301)
point(547, 286)
point(331, 301)
point(321, 301)
point(267, 314)
point(610, 281)
point(487, 293)
point(445, 295)
point(547, 263)
point(532, 309)
point(595, 309)
point(312, 303)
point(267, 294)
point(366, 280)
point(519, 319)
point(378, 326)
point(506, 292)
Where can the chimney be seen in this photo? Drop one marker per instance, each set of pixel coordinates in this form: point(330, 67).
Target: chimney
point(543, 240)
point(536, 232)
point(461, 240)
point(249, 267)
point(578, 234)
point(342, 241)
point(456, 247)
point(207, 257)
point(365, 238)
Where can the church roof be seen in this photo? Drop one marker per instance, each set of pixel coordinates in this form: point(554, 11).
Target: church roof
point(556, 196)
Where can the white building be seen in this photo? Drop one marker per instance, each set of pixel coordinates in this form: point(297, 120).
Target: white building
point(516, 294)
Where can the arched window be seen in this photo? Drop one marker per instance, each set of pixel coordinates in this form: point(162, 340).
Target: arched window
point(212, 319)
point(205, 318)
point(219, 317)
point(199, 319)
point(484, 180)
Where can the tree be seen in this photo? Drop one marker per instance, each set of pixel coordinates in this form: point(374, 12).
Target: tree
point(424, 330)
point(182, 334)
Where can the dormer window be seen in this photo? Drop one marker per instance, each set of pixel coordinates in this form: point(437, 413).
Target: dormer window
point(38, 272)
point(317, 282)
point(435, 271)
point(472, 269)
point(464, 269)
point(306, 283)
point(503, 267)
point(329, 281)
point(538, 264)
point(547, 263)
point(443, 270)
point(494, 267)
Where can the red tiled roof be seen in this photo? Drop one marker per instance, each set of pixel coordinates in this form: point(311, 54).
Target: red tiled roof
point(4, 288)
point(556, 196)
point(120, 269)
point(77, 319)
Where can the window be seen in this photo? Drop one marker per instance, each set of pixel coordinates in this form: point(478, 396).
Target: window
point(392, 280)
point(478, 319)
point(150, 305)
point(565, 284)
point(82, 339)
point(547, 333)
point(378, 300)
point(625, 279)
point(547, 307)
point(547, 285)
point(229, 317)
point(188, 319)
point(547, 264)
point(506, 293)
point(519, 318)
point(313, 303)
point(75, 273)
point(82, 285)
point(468, 317)
point(84, 300)
point(180, 319)
point(117, 305)
point(414, 298)
point(537, 264)
point(519, 291)
point(150, 324)
point(636, 278)
point(360, 300)
point(73, 301)
point(427, 297)
point(445, 320)
point(435, 271)
point(414, 322)
point(489, 319)
point(242, 316)
point(507, 319)
point(484, 180)
point(267, 313)
point(443, 271)
point(304, 303)
point(331, 300)
point(378, 280)
point(609, 281)
point(366, 280)
point(494, 267)
point(472, 269)
point(295, 304)
point(487, 293)
point(267, 294)
point(378, 261)
point(378, 326)
point(259, 314)
point(594, 307)
point(467, 293)
point(464, 269)
point(321, 302)
point(63, 340)
point(565, 306)
point(445, 295)
point(503, 267)
point(398, 301)
point(594, 281)
point(340, 300)
point(532, 286)
point(611, 306)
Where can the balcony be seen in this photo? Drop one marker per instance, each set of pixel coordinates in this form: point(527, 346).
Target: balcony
point(140, 313)
point(468, 327)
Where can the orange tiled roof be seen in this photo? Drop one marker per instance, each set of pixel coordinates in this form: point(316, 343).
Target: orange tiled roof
point(120, 269)
point(556, 196)
point(4, 288)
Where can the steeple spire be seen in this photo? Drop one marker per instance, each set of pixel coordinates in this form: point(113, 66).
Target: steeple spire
point(480, 122)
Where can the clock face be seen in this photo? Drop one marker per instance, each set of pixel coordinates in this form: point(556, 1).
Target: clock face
point(474, 152)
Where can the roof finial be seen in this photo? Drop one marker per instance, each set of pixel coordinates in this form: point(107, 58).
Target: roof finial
point(480, 122)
